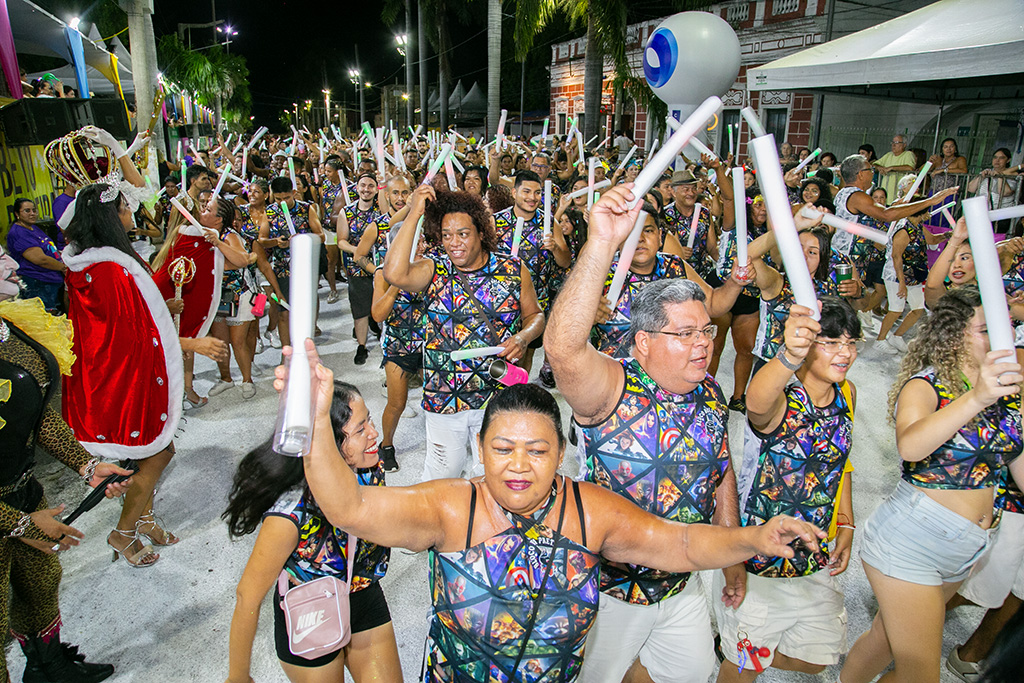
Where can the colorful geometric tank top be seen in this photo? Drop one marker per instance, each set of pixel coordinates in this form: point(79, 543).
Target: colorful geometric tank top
point(665, 452)
point(454, 321)
point(679, 225)
point(403, 328)
point(796, 471)
point(358, 221)
point(484, 599)
point(281, 258)
point(727, 254)
point(771, 327)
point(974, 456)
point(539, 261)
point(328, 194)
point(915, 255)
point(861, 250)
point(612, 335)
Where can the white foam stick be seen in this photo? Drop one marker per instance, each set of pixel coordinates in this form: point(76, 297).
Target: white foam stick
point(847, 226)
point(605, 142)
point(547, 208)
point(220, 181)
point(591, 141)
point(773, 188)
point(756, 129)
point(917, 181)
point(673, 123)
point(729, 127)
point(739, 194)
point(161, 192)
point(449, 172)
point(295, 432)
point(195, 153)
point(626, 160)
point(479, 352)
point(989, 274)
point(654, 147)
point(236, 178)
point(597, 186)
point(455, 160)
point(667, 154)
point(501, 128)
point(398, 150)
point(181, 159)
point(238, 146)
point(590, 181)
point(288, 218)
point(416, 239)
point(184, 212)
point(228, 141)
point(446, 149)
point(950, 205)
point(255, 138)
point(579, 144)
point(517, 235)
point(702, 148)
point(380, 149)
point(337, 135)
point(809, 159)
point(693, 226)
point(419, 131)
point(949, 218)
point(544, 130)
point(1008, 212)
point(291, 173)
point(625, 260)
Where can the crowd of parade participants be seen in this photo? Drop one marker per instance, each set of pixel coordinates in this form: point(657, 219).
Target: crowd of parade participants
point(511, 247)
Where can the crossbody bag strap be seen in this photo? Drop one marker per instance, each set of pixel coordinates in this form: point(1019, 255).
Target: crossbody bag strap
point(352, 548)
point(476, 303)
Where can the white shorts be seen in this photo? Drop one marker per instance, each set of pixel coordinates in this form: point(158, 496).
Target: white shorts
point(673, 639)
point(448, 437)
point(244, 313)
point(915, 295)
point(330, 238)
point(1001, 569)
point(802, 618)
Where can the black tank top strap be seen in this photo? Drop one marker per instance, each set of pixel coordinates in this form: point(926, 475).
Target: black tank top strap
point(472, 513)
point(579, 510)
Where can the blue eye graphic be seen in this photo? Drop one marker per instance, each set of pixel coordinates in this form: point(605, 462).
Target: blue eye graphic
point(664, 53)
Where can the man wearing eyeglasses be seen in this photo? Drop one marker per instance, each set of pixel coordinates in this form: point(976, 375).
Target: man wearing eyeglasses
point(660, 413)
point(894, 163)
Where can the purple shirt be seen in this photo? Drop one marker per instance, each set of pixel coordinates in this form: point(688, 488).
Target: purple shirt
point(20, 239)
point(60, 205)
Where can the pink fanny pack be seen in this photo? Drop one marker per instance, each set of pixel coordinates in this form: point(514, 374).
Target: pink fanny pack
point(316, 613)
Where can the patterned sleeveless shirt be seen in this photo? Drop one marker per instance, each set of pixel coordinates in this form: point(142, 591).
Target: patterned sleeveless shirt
point(612, 335)
point(679, 225)
point(328, 194)
point(281, 258)
point(358, 221)
point(861, 250)
point(539, 261)
point(771, 327)
point(795, 470)
point(915, 256)
point(403, 328)
point(665, 452)
point(454, 321)
point(483, 598)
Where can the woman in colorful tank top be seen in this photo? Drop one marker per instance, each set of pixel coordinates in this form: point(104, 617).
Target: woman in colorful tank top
point(297, 539)
point(958, 426)
point(799, 435)
point(514, 555)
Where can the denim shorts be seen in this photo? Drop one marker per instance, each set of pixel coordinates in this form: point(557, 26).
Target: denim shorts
point(912, 538)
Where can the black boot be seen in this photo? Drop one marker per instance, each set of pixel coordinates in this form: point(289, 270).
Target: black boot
point(57, 662)
point(387, 457)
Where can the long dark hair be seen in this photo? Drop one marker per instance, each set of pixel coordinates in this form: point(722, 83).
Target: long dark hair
point(263, 476)
point(97, 224)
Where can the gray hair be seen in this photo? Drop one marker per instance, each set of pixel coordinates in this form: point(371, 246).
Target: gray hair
point(648, 310)
point(851, 166)
point(901, 137)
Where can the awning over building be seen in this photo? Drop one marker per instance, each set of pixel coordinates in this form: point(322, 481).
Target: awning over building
point(952, 50)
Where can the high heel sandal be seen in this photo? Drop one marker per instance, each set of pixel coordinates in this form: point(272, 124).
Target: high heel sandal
point(135, 559)
point(149, 518)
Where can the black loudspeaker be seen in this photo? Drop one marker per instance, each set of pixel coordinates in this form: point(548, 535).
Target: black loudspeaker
point(35, 121)
point(111, 116)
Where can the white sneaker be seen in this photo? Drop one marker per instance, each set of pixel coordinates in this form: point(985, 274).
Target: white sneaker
point(969, 672)
point(333, 297)
point(220, 387)
point(255, 370)
point(867, 322)
point(259, 345)
point(899, 343)
point(248, 390)
point(410, 410)
point(886, 346)
point(275, 342)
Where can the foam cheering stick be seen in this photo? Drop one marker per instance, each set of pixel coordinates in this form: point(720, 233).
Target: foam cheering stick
point(288, 218)
point(517, 236)
point(579, 145)
point(702, 148)
point(989, 274)
point(847, 226)
point(241, 142)
point(605, 142)
point(585, 190)
point(950, 205)
point(398, 150)
point(592, 166)
point(949, 218)
point(625, 260)
point(729, 127)
point(917, 181)
point(184, 212)
point(220, 181)
point(773, 188)
point(693, 226)
point(293, 434)
point(544, 131)
point(416, 239)
point(739, 194)
point(291, 173)
point(626, 160)
point(501, 128)
point(809, 159)
point(446, 149)
point(547, 208)
point(455, 160)
point(654, 147)
point(479, 352)
point(449, 172)
point(591, 141)
point(245, 165)
point(255, 138)
point(1008, 212)
point(756, 129)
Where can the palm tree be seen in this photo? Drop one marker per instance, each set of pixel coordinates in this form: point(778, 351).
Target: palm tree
point(218, 78)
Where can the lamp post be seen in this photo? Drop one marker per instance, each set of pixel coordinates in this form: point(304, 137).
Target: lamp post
point(327, 107)
point(353, 76)
point(228, 32)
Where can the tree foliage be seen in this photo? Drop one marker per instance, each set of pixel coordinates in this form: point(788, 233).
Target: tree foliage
point(221, 80)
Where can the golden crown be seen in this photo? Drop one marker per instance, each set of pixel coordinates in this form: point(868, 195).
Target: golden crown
point(79, 160)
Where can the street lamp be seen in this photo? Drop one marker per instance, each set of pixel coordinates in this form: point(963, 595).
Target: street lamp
point(228, 32)
point(354, 77)
point(403, 42)
point(327, 106)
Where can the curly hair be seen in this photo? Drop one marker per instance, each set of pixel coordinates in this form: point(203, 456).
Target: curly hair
point(940, 344)
point(459, 202)
point(498, 198)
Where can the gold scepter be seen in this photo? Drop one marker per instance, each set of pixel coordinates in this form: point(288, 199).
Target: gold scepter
point(182, 270)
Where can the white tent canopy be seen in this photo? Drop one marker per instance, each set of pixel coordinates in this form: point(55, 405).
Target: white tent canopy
point(949, 50)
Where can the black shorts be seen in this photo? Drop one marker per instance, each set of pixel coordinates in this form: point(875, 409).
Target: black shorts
point(873, 273)
point(360, 296)
point(284, 284)
point(368, 607)
point(745, 305)
point(411, 363)
point(536, 343)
